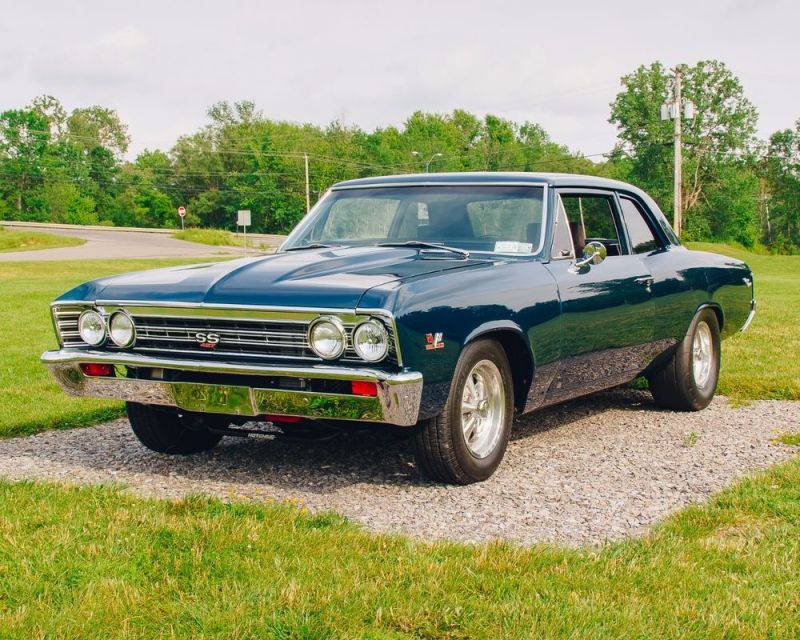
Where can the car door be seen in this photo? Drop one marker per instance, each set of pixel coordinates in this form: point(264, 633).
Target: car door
point(607, 309)
point(673, 292)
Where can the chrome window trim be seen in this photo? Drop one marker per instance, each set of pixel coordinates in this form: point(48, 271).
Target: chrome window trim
point(442, 183)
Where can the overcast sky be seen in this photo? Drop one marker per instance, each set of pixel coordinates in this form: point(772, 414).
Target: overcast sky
point(161, 64)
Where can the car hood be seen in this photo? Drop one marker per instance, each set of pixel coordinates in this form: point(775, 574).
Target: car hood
point(320, 278)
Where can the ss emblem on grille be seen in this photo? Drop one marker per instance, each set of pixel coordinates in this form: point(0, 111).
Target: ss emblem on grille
point(207, 340)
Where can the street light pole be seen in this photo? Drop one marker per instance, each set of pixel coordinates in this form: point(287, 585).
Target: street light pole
point(417, 154)
point(308, 190)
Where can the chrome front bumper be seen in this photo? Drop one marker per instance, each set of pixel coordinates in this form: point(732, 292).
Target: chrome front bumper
point(397, 400)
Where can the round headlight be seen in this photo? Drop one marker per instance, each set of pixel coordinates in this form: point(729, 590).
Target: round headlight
point(371, 341)
point(327, 338)
point(92, 327)
point(121, 329)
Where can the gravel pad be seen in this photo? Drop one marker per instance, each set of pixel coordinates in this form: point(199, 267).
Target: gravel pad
point(595, 469)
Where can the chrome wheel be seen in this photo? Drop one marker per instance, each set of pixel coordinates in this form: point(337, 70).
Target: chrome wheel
point(483, 408)
point(702, 354)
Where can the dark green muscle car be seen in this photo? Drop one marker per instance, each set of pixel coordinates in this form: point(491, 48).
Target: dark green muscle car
point(444, 304)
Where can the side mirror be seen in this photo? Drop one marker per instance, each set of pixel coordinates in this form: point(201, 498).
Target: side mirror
point(593, 253)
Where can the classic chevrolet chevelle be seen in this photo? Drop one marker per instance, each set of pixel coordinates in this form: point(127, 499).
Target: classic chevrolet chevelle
point(440, 303)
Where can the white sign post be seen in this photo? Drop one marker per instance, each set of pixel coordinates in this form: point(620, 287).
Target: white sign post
point(182, 214)
point(243, 220)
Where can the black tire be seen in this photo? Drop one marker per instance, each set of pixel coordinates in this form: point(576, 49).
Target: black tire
point(440, 445)
point(674, 385)
point(166, 431)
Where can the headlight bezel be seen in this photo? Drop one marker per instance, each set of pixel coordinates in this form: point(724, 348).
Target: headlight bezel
point(372, 323)
point(86, 314)
point(124, 314)
point(337, 324)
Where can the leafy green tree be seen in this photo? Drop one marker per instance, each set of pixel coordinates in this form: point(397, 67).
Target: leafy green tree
point(24, 136)
point(722, 129)
point(781, 208)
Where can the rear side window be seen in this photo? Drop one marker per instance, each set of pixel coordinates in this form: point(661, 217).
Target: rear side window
point(641, 235)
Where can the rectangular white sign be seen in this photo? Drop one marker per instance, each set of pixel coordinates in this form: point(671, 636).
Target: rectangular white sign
point(243, 218)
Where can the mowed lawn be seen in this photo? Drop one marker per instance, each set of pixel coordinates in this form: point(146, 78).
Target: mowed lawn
point(31, 400)
point(97, 563)
point(33, 240)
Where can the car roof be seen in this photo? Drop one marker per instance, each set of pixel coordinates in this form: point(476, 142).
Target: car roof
point(487, 178)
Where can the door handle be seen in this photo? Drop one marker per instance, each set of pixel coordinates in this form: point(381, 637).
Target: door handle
point(647, 281)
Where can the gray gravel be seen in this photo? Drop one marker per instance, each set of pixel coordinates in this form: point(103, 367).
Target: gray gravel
point(595, 469)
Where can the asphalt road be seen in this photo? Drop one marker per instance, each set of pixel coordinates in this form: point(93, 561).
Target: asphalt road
point(113, 243)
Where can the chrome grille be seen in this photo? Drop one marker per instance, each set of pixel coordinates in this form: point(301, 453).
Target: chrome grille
point(240, 337)
point(245, 334)
point(65, 318)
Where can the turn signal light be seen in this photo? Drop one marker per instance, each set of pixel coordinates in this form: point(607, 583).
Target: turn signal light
point(97, 369)
point(363, 388)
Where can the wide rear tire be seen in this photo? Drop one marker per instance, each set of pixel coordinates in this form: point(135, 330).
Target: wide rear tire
point(166, 431)
point(689, 379)
point(467, 442)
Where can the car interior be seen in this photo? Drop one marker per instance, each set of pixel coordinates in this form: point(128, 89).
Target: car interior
point(592, 219)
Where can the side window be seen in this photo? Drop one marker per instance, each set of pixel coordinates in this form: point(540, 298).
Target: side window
point(592, 218)
point(641, 235)
point(562, 238)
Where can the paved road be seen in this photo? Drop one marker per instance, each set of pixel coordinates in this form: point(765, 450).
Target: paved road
point(112, 243)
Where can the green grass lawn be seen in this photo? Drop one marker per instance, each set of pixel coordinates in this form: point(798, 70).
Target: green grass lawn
point(217, 238)
point(31, 400)
point(32, 240)
point(97, 563)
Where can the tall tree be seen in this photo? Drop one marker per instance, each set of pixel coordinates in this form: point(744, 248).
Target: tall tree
point(24, 135)
point(722, 129)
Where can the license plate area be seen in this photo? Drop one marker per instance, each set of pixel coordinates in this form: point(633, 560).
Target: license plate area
point(212, 398)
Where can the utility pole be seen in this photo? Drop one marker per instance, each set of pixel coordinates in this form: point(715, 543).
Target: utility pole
point(308, 192)
point(676, 110)
point(678, 174)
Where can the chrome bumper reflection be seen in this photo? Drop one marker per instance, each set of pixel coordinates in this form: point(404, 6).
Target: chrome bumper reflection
point(750, 316)
point(397, 401)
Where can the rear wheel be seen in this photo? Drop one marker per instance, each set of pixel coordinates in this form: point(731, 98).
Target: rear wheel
point(689, 380)
point(467, 442)
point(166, 431)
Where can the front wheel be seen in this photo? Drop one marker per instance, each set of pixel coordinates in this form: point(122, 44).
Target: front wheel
point(166, 431)
point(467, 442)
point(689, 380)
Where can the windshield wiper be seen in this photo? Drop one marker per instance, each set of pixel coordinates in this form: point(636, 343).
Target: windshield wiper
point(313, 245)
point(419, 244)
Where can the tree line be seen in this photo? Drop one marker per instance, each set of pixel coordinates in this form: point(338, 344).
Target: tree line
point(71, 167)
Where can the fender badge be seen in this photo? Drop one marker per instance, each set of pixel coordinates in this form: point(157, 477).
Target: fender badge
point(434, 341)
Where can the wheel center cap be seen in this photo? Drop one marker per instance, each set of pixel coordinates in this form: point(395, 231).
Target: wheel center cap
point(483, 405)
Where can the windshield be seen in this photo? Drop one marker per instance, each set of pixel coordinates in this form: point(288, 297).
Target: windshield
point(474, 218)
